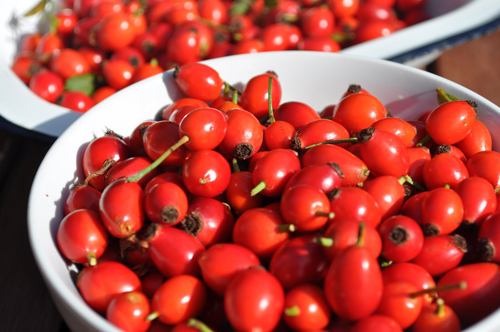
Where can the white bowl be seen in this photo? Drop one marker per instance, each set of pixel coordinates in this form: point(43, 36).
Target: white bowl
point(453, 23)
point(317, 79)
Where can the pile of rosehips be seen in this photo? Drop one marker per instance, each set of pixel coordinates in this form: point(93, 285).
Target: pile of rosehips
point(95, 47)
point(236, 211)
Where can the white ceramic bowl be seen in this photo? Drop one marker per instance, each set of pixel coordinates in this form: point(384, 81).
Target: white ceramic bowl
point(453, 22)
point(317, 79)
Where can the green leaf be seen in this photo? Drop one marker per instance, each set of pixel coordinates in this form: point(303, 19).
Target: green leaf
point(240, 7)
point(84, 83)
point(36, 9)
point(444, 97)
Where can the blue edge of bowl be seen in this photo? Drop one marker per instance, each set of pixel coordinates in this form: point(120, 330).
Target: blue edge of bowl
point(448, 42)
point(440, 45)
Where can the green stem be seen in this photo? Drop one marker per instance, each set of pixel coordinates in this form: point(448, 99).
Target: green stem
point(462, 285)
point(152, 316)
point(236, 167)
point(106, 165)
point(293, 311)
point(92, 259)
point(270, 100)
point(232, 87)
point(386, 264)
point(324, 241)
point(444, 97)
point(199, 325)
point(235, 97)
point(258, 188)
point(329, 215)
point(158, 161)
point(227, 87)
point(415, 184)
point(335, 141)
point(440, 308)
point(424, 140)
point(361, 235)
point(285, 228)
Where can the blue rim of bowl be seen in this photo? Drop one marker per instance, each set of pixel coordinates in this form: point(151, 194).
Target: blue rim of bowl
point(25, 132)
point(448, 42)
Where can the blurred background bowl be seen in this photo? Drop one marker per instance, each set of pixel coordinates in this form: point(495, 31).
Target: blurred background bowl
point(453, 22)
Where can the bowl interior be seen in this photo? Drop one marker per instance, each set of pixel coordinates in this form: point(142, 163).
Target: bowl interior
point(318, 79)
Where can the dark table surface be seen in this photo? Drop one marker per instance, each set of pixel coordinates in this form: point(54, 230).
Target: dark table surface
point(26, 304)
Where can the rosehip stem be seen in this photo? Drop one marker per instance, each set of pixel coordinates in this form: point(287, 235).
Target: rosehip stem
point(329, 215)
point(236, 167)
point(133, 239)
point(324, 241)
point(106, 165)
point(92, 259)
point(199, 325)
point(152, 316)
point(336, 141)
point(158, 161)
point(235, 97)
point(270, 100)
point(427, 138)
point(413, 183)
point(258, 188)
point(440, 308)
point(462, 285)
point(227, 87)
point(386, 264)
point(444, 97)
point(361, 235)
point(231, 87)
point(293, 311)
point(285, 228)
